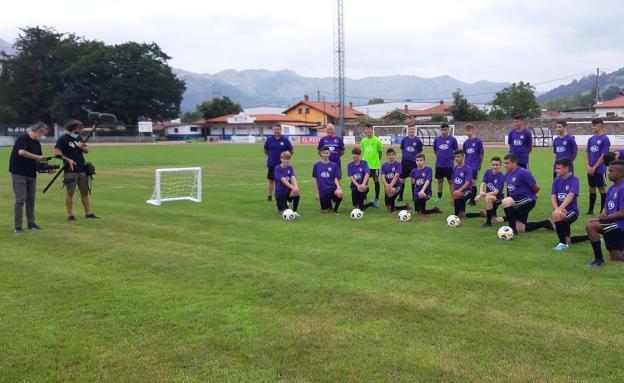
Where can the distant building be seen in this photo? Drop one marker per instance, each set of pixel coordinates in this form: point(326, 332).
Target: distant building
point(242, 124)
point(320, 113)
point(411, 115)
point(611, 108)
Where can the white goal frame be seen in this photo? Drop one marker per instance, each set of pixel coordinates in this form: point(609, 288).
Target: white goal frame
point(157, 199)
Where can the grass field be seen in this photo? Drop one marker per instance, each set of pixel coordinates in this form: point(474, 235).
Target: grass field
point(227, 291)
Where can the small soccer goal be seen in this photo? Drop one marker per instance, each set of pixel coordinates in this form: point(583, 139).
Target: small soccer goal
point(177, 184)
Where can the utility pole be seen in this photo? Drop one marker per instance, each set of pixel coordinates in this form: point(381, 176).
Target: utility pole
point(339, 68)
point(597, 86)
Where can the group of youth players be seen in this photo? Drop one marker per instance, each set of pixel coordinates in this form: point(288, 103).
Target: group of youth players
point(460, 168)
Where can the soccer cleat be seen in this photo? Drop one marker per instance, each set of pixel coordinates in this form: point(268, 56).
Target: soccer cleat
point(269, 198)
point(375, 204)
point(18, 231)
point(336, 213)
point(486, 225)
point(297, 215)
point(560, 247)
point(590, 212)
point(71, 218)
point(438, 200)
point(437, 210)
point(596, 263)
point(34, 227)
point(92, 216)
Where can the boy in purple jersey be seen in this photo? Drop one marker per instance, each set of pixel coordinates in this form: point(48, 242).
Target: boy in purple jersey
point(520, 142)
point(565, 190)
point(327, 188)
point(421, 177)
point(597, 146)
point(335, 145)
point(286, 188)
point(411, 145)
point(473, 150)
point(443, 148)
point(274, 146)
point(610, 222)
point(522, 192)
point(564, 146)
point(492, 192)
point(358, 173)
point(618, 154)
point(390, 172)
point(462, 183)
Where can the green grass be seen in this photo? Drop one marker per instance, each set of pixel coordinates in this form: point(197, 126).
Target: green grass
point(227, 291)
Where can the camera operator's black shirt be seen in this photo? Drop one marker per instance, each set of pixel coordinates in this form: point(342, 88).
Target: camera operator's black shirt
point(69, 147)
point(21, 165)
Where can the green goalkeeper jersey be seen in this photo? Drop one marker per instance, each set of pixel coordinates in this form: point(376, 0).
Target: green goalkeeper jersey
point(371, 147)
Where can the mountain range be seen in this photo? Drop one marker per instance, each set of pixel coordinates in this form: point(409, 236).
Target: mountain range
point(585, 84)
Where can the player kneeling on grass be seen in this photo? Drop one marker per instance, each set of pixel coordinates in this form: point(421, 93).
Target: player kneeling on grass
point(390, 174)
point(421, 177)
point(610, 222)
point(327, 188)
point(286, 188)
point(565, 189)
point(462, 183)
point(492, 192)
point(522, 192)
point(359, 172)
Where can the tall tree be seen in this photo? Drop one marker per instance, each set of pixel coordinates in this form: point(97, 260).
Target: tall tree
point(462, 110)
point(517, 99)
point(219, 107)
point(376, 100)
point(611, 92)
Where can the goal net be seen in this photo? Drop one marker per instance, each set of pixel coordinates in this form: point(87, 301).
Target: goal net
point(177, 184)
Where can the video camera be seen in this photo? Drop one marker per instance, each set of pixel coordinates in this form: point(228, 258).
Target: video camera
point(46, 167)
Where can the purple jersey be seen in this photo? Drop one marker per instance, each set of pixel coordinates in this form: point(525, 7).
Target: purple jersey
point(280, 172)
point(560, 189)
point(275, 147)
point(443, 148)
point(621, 151)
point(596, 147)
point(420, 176)
point(520, 142)
point(389, 170)
point(565, 147)
point(461, 176)
point(325, 174)
point(358, 172)
point(335, 146)
point(494, 182)
point(410, 147)
point(473, 149)
point(519, 183)
point(615, 202)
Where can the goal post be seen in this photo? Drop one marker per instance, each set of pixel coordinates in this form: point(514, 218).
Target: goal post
point(177, 184)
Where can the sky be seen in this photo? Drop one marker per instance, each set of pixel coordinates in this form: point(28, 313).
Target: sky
point(544, 42)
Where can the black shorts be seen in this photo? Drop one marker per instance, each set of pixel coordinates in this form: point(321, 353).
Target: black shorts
point(596, 181)
point(406, 168)
point(328, 200)
point(571, 217)
point(475, 176)
point(358, 198)
point(281, 201)
point(613, 236)
point(523, 206)
point(374, 172)
point(442, 173)
point(460, 204)
point(271, 174)
point(496, 204)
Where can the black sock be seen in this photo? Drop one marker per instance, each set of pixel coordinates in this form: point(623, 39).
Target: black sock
point(563, 230)
point(401, 192)
point(592, 201)
point(603, 199)
point(597, 251)
point(531, 226)
point(473, 215)
point(474, 193)
point(510, 213)
point(429, 211)
point(579, 238)
point(377, 189)
point(490, 215)
point(295, 203)
point(337, 205)
point(365, 206)
point(439, 194)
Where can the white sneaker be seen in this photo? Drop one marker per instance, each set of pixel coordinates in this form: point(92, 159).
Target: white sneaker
point(297, 215)
point(560, 247)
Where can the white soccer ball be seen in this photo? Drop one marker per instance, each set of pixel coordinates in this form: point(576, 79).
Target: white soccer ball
point(357, 214)
point(288, 215)
point(404, 215)
point(505, 233)
point(453, 221)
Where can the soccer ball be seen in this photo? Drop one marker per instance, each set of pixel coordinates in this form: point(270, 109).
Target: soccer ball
point(453, 221)
point(288, 215)
point(404, 216)
point(357, 214)
point(505, 233)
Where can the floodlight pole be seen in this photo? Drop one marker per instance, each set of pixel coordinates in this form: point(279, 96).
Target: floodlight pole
point(339, 69)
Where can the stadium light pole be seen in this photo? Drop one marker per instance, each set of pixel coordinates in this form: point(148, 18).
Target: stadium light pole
point(339, 68)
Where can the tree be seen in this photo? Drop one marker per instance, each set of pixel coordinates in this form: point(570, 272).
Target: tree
point(375, 100)
point(191, 116)
point(611, 92)
point(462, 110)
point(517, 99)
point(439, 118)
point(219, 107)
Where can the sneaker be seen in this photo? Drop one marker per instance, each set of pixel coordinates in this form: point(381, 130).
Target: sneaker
point(34, 227)
point(375, 204)
point(590, 212)
point(297, 215)
point(596, 263)
point(486, 225)
point(336, 213)
point(437, 210)
point(561, 246)
point(18, 231)
point(438, 200)
point(92, 216)
point(71, 218)
point(269, 198)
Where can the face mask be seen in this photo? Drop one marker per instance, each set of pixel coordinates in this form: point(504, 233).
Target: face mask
point(41, 138)
point(74, 135)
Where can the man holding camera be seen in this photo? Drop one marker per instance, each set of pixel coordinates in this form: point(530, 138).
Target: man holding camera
point(25, 158)
point(71, 148)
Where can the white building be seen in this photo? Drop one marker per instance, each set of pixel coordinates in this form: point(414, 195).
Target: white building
point(611, 108)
